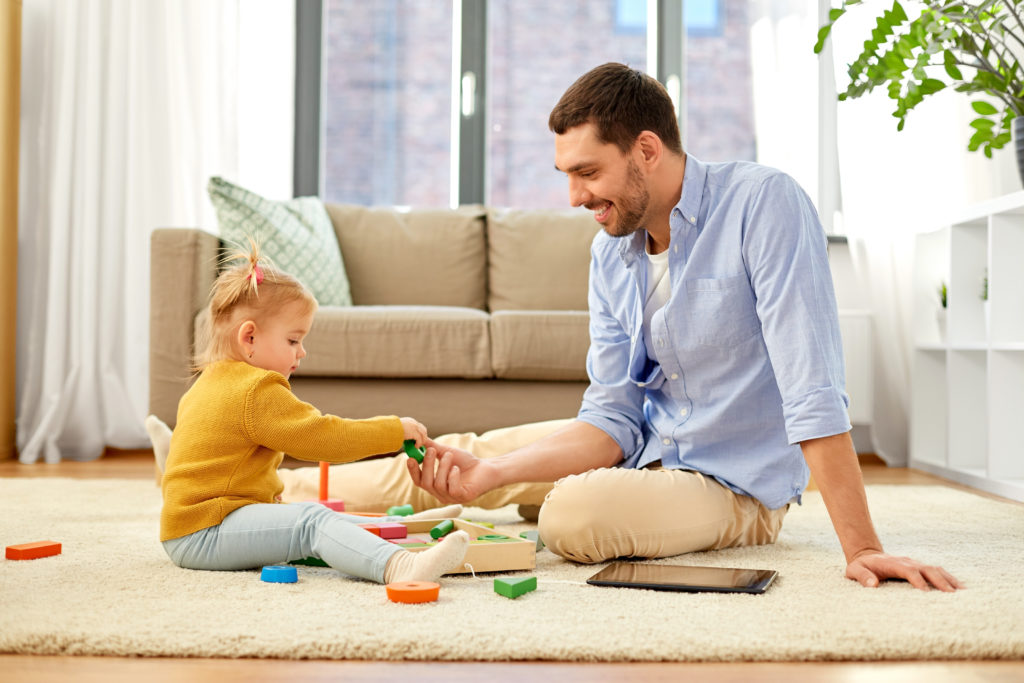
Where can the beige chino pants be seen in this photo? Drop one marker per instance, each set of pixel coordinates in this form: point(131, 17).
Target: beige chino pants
point(590, 517)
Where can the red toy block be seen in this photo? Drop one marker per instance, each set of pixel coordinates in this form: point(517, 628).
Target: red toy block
point(393, 530)
point(372, 528)
point(32, 551)
point(336, 505)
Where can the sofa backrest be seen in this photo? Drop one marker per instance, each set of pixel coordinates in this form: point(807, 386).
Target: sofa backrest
point(538, 259)
point(421, 257)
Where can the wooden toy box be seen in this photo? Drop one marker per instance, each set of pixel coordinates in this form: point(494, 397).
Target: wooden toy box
point(483, 555)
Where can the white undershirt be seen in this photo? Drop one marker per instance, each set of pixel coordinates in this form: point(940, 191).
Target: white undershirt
point(659, 288)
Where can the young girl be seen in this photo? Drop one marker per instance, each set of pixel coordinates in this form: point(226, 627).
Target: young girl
point(220, 485)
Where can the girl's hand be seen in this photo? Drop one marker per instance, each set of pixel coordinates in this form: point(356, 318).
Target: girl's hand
point(413, 430)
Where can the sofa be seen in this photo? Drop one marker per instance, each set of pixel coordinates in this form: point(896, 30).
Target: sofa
point(467, 319)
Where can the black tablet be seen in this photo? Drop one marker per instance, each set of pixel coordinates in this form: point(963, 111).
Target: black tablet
point(668, 577)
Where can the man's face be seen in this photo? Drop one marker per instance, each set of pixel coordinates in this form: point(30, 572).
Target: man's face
point(603, 179)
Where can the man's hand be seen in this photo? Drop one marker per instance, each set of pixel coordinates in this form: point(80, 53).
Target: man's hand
point(871, 568)
point(452, 475)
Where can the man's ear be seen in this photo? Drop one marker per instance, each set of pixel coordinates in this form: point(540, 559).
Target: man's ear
point(650, 147)
point(246, 336)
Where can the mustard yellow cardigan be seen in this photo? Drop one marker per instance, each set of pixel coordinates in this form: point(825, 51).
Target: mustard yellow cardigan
point(234, 425)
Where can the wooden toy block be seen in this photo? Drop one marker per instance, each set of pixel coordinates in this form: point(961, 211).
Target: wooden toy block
point(513, 588)
point(483, 556)
point(279, 574)
point(413, 591)
point(310, 562)
point(372, 528)
point(324, 476)
point(486, 524)
point(442, 528)
point(334, 504)
point(535, 537)
point(400, 510)
point(413, 451)
point(33, 551)
point(391, 530)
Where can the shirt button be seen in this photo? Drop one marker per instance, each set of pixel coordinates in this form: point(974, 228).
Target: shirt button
point(684, 411)
point(693, 219)
point(675, 375)
point(666, 441)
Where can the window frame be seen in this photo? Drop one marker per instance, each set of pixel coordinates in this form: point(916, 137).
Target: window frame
point(665, 38)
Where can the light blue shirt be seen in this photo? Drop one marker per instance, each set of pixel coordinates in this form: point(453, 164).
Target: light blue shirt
point(747, 359)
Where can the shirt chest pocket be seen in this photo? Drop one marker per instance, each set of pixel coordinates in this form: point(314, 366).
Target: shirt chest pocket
point(720, 311)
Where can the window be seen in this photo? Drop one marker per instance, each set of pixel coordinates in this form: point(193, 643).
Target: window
point(535, 50)
point(387, 102)
point(440, 102)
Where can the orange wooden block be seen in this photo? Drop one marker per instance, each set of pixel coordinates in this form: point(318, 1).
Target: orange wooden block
point(372, 528)
point(413, 591)
point(32, 551)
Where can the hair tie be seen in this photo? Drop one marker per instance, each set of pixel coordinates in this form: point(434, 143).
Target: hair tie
point(259, 274)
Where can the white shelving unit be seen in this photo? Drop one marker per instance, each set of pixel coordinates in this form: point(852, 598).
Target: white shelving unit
point(967, 392)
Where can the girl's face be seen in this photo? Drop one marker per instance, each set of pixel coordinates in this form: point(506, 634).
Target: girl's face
point(276, 343)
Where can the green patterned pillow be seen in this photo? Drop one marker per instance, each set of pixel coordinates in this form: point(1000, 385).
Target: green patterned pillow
point(296, 234)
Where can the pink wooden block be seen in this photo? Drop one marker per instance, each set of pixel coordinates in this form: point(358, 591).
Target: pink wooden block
point(393, 530)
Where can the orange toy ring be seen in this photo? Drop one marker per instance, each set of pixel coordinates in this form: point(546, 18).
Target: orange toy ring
point(413, 591)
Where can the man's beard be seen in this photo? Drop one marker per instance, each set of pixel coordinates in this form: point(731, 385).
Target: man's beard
point(631, 210)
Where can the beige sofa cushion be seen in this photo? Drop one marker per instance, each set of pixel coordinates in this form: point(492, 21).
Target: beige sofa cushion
point(428, 257)
point(538, 260)
point(542, 345)
point(398, 341)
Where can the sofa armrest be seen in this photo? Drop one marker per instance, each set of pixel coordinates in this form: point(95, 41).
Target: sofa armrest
point(183, 266)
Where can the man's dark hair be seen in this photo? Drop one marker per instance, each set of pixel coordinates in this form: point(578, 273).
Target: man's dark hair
point(621, 103)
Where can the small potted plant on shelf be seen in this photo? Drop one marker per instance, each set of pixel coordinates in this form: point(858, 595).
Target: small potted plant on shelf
point(940, 313)
point(984, 299)
point(969, 46)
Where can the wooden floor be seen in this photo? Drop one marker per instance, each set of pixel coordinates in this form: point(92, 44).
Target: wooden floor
point(139, 465)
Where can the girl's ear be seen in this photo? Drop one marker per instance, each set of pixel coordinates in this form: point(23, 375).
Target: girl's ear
point(247, 337)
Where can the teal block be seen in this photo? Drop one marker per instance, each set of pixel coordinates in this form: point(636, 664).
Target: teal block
point(513, 588)
point(279, 574)
point(535, 537)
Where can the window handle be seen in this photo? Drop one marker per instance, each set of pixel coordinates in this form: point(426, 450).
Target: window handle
point(468, 94)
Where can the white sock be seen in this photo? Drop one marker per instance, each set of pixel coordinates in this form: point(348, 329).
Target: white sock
point(160, 436)
point(446, 512)
point(430, 564)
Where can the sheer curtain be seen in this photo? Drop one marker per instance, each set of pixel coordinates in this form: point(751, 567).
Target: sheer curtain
point(127, 108)
point(877, 186)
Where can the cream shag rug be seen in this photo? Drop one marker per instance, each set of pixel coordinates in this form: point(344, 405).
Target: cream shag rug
point(113, 592)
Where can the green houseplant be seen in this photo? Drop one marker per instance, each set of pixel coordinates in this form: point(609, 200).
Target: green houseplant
point(971, 47)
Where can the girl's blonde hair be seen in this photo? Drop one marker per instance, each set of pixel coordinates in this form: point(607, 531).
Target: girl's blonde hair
point(249, 289)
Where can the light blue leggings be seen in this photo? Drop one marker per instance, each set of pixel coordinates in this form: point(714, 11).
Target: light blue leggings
point(261, 534)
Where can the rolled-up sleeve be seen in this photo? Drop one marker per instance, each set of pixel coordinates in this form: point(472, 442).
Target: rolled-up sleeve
point(784, 250)
point(612, 402)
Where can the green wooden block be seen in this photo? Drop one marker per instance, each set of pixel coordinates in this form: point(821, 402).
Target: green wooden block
point(310, 562)
point(412, 451)
point(400, 510)
point(442, 529)
point(513, 588)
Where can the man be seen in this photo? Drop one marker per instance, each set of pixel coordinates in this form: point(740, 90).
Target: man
point(715, 363)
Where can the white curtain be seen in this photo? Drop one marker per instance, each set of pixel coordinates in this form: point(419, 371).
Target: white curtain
point(127, 108)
